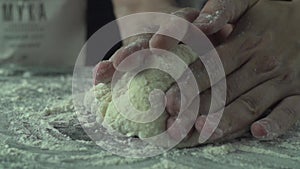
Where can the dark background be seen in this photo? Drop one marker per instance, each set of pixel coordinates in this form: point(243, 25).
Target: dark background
point(99, 13)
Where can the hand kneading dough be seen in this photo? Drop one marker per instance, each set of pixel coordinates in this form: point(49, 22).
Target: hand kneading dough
point(139, 89)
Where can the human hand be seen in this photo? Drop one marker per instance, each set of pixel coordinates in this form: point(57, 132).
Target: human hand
point(217, 29)
point(104, 71)
point(261, 60)
point(253, 56)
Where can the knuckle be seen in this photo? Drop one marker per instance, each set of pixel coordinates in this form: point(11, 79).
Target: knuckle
point(267, 65)
point(250, 42)
point(250, 104)
point(287, 76)
point(289, 110)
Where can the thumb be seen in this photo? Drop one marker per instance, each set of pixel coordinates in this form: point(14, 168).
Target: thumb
point(217, 13)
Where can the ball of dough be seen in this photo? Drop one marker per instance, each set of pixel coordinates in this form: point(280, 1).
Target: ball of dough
point(138, 91)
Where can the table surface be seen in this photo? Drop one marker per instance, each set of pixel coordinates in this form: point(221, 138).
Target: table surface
point(38, 130)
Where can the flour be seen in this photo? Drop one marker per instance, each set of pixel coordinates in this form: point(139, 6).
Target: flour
point(29, 140)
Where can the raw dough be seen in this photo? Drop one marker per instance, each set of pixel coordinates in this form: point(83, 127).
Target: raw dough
point(139, 90)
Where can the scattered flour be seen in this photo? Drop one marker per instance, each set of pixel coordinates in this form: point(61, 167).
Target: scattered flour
point(29, 140)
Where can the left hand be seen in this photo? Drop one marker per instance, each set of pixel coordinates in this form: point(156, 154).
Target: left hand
point(261, 59)
point(104, 70)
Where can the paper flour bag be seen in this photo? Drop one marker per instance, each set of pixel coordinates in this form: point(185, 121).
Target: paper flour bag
point(42, 33)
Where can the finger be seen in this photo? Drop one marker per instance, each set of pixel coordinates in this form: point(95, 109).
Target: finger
point(221, 36)
point(173, 100)
point(283, 117)
point(181, 126)
point(247, 108)
point(255, 72)
point(123, 53)
point(103, 72)
point(233, 54)
point(173, 104)
point(217, 13)
point(181, 130)
point(161, 41)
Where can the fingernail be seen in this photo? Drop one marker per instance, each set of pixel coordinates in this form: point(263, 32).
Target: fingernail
point(265, 129)
point(218, 133)
point(260, 130)
point(102, 72)
point(200, 123)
